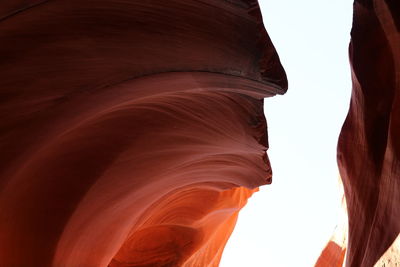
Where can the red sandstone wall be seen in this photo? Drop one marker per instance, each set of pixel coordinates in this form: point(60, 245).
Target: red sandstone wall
point(131, 132)
point(369, 144)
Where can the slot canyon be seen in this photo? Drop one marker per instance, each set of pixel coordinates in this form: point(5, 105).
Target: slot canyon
point(132, 132)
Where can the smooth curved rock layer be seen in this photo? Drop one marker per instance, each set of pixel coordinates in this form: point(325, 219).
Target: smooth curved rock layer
point(132, 132)
point(369, 144)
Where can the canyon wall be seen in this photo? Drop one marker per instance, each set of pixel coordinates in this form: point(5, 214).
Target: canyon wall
point(369, 143)
point(131, 132)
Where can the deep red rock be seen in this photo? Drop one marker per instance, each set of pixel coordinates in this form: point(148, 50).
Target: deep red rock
point(369, 144)
point(131, 132)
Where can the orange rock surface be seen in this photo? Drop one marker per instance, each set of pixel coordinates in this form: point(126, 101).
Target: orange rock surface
point(369, 144)
point(334, 253)
point(131, 132)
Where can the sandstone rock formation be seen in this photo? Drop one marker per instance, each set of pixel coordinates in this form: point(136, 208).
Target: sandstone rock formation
point(131, 132)
point(333, 254)
point(369, 144)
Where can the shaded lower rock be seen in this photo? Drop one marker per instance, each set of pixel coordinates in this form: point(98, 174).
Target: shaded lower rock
point(369, 143)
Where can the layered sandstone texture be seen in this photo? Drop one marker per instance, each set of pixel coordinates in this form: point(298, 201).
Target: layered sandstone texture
point(131, 132)
point(369, 144)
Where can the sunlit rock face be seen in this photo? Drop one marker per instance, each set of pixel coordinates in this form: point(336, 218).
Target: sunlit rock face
point(369, 144)
point(333, 254)
point(132, 132)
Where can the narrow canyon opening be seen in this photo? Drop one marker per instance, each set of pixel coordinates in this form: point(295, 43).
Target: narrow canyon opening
point(289, 222)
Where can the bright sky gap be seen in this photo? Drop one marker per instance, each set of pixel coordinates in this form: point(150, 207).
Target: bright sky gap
point(289, 222)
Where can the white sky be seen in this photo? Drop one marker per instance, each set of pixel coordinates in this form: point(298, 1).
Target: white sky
point(288, 223)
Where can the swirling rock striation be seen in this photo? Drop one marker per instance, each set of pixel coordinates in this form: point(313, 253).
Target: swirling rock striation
point(132, 132)
point(369, 144)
